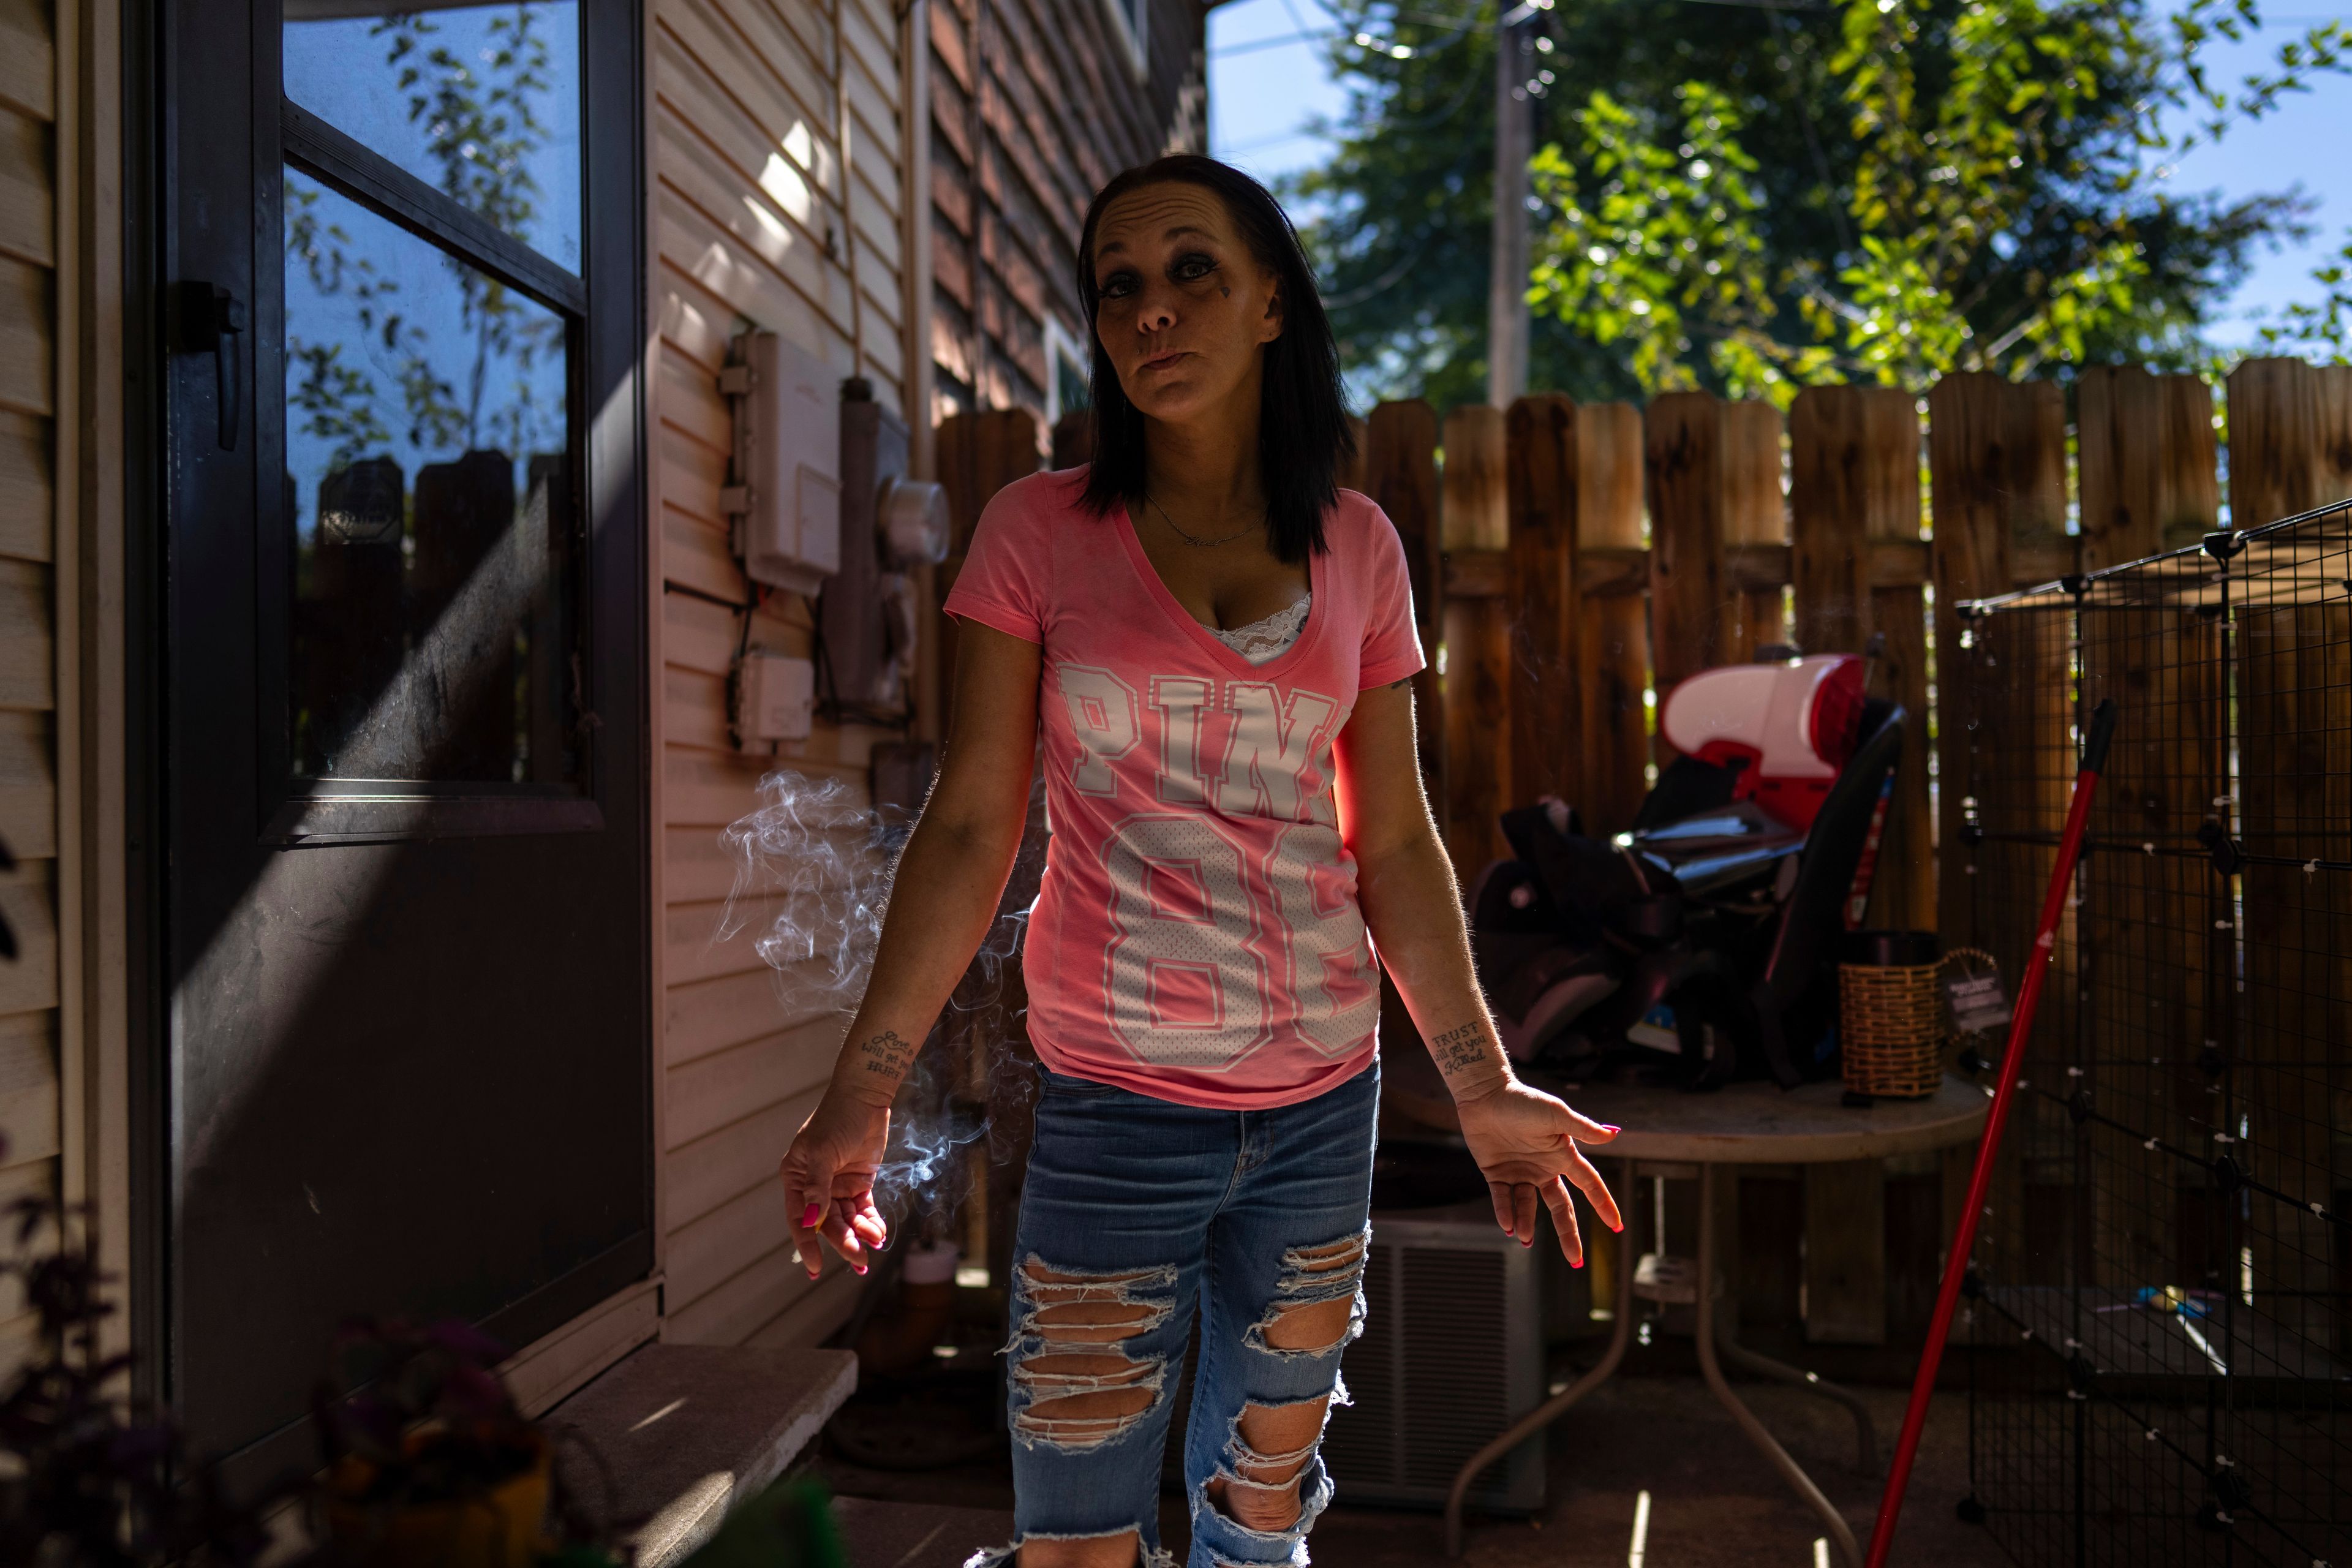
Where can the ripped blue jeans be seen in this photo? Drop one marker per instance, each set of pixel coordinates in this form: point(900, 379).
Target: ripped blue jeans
point(1134, 1210)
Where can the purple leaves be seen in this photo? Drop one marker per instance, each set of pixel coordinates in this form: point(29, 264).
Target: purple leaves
point(427, 1418)
point(93, 1480)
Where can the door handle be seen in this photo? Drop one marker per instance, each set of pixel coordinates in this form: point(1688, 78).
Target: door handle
point(208, 319)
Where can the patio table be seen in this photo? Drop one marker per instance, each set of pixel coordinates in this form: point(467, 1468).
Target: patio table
point(1676, 1136)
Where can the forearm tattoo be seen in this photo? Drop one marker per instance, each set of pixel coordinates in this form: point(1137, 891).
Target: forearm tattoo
point(1458, 1049)
point(886, 1054)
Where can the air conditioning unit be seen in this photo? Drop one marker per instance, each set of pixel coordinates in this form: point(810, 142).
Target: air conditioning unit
point(1452, 1352)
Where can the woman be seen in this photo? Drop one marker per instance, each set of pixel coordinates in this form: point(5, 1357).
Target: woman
point(1217, 644)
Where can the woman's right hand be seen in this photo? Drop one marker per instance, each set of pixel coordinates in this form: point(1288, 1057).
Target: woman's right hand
point(828, 1175)
point(944, 891)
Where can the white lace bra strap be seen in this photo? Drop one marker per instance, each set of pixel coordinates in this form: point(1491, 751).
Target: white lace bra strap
point(1262, 640)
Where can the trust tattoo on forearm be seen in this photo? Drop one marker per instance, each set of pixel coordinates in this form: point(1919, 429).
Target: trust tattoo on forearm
point(1458, 1049)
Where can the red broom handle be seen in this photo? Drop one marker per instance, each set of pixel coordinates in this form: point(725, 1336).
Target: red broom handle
point(2020, 1025)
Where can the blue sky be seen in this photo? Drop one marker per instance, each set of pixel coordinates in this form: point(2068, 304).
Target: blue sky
point(341, 70)
point(1261, 98)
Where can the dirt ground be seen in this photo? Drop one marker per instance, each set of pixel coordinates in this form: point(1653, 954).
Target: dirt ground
point(1713, 1500)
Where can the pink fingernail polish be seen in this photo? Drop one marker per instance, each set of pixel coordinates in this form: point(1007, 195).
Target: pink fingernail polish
point(810, 1215)
point(860, 1268)
point(1612, 1128)
point(1577, 1264)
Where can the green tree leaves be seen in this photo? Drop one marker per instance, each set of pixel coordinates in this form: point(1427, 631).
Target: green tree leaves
point(481, 129)
point(1658, 248)
point(1877, 190)
point(1964, 122)
point(2320, 329)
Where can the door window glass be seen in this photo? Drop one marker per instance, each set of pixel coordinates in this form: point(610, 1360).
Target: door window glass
point(479, 101)
point(429, 485)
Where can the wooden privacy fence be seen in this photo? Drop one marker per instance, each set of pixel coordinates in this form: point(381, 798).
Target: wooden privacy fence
point(1570, 559)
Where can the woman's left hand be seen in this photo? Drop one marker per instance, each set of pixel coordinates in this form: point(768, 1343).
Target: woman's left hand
point(1526, 1142)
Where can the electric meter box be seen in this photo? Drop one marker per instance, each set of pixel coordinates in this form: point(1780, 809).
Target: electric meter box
point(786, 499)
point(775, 697)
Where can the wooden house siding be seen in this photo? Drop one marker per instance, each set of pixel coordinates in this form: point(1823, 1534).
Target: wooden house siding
point(1035, 104)
point(783, 151)
point(777, 200)
point(36, 529)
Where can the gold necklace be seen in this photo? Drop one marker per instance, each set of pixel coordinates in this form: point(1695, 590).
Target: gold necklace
point(1194, 539)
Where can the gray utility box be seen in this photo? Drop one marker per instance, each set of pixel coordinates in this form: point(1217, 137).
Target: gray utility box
point(1453, 1352)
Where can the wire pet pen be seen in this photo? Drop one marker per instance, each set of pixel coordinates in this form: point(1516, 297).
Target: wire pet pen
point(2161, 1303)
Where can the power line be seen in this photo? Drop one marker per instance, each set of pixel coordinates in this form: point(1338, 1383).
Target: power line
point(1252, 46)
point(1265, 141)
point(1385, 281)
point(1427, 18)
point(1317, 34)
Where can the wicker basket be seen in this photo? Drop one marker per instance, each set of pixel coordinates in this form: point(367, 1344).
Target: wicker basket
point(1891, 1015)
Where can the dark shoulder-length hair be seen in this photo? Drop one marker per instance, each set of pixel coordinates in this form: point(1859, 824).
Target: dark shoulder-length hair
point(1303, 434)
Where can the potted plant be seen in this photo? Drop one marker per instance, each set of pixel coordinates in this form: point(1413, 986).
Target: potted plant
point(789, 1525)
point(428, 1460)
point(85, 1482)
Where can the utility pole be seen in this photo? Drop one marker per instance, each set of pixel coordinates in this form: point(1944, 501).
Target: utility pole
point(1507, 288)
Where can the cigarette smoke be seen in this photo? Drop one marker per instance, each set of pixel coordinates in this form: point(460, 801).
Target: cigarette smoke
point(813, 864)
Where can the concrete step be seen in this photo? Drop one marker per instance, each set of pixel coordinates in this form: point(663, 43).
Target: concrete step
point(916, 1535)
point(689, 1431)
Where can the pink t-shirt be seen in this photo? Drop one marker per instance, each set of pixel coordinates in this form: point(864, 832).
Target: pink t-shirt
point(1196, 935)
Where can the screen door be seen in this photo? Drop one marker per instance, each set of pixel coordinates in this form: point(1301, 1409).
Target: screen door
point(400, 250)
